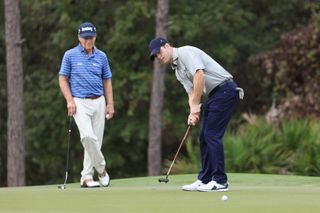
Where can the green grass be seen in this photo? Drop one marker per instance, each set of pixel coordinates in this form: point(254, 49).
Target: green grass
point(247, 193)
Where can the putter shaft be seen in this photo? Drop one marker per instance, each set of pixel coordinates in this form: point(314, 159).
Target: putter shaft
point(68, 150)
point(178, 151)
point(176, 155)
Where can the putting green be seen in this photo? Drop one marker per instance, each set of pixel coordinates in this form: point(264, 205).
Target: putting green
point(247, 193)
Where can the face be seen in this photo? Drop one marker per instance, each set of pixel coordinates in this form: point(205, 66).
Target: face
point(87, 42)
point(165, 54)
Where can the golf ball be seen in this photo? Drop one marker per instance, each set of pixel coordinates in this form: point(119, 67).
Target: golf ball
point(224, 198)
point(107, 116)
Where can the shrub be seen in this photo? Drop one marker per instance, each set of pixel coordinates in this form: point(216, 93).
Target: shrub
point(257, 147)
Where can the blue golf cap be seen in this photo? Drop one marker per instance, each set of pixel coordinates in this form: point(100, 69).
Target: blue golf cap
point(87, 29)
point(155, 45)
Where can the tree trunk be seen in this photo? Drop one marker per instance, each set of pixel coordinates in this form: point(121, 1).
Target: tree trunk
point(16, 163)
point(156, 105)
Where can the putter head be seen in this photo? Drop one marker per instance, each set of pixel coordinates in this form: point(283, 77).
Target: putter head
point(163, 180)
point(62, 187)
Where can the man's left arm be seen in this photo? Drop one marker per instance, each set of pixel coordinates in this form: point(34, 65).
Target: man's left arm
point(108, 93)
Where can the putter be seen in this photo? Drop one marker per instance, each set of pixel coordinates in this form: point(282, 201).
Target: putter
point(166, 179)
point(67, 163)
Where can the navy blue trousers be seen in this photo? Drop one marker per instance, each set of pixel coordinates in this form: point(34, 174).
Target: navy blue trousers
point(216, 114)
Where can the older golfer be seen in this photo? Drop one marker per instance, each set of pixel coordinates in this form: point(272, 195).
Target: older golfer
point(85, 81)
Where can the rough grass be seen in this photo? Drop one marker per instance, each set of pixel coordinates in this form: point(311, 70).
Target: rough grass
point(248, 193)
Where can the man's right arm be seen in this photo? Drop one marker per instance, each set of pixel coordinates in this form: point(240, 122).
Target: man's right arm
point(65, 89)
point(193, 118)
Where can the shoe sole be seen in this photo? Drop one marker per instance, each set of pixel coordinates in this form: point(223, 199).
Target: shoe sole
point(189, 190)
point(210, 190)
point(81, 186)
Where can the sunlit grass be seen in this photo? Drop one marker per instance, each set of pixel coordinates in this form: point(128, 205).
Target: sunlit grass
point(248, 193)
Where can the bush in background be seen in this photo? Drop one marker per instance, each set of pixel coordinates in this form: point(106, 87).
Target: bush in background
point(257, 147)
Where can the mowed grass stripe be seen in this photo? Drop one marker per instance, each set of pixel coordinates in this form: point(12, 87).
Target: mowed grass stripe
point(248, 193)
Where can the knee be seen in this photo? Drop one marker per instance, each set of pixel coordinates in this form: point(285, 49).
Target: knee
point(88, 138)
point(212, 137)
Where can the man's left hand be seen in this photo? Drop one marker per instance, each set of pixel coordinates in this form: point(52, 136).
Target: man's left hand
point(109, 111)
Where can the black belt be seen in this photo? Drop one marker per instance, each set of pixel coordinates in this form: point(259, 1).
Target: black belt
point(220, 85)
point(93, 97)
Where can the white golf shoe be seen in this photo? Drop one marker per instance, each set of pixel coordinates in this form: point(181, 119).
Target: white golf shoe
point(89, 183)
point(213, 186)
point(104, 179)
point(193, 186)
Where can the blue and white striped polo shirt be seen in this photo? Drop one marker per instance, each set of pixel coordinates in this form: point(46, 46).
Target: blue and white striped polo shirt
point(85, 72)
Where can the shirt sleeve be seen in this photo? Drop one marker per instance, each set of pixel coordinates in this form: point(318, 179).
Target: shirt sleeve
point(192, 61)
point(186, 83)
point(65, 68)
point(187, 87)
point(106, 71)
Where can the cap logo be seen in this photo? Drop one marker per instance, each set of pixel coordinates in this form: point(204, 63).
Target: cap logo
point(86, 29)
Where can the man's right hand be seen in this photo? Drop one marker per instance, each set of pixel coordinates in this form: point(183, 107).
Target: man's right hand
point(65, 89)
point(193, 119)
point(71, 106)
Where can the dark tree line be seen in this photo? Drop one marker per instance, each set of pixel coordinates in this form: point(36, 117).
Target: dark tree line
point(157, 93)
point(231, 31)
point(15, 133)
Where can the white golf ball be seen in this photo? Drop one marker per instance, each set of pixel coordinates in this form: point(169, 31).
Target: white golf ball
point(224, 198)
point(107, 116)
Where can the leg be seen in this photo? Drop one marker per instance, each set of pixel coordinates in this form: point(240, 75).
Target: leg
point(88, 170)
point(204, 174)
point(98, 123)
point(83, 121)
point(220, 108)
point(92, 154)
point(98, 120)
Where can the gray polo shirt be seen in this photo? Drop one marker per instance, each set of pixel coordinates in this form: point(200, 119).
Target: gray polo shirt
point(187, 60)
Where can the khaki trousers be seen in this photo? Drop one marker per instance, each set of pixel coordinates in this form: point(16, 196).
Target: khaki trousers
point(90, 119)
